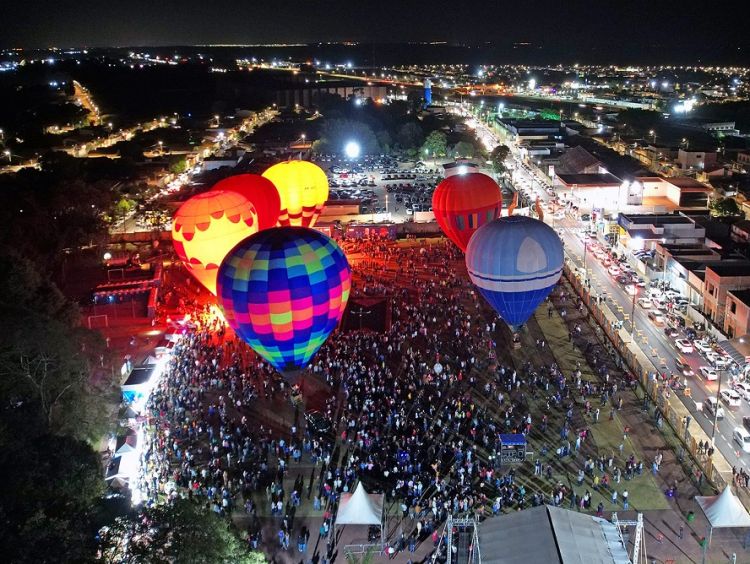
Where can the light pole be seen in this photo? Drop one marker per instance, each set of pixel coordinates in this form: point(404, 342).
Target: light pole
point(7, 154)
point(632, 314)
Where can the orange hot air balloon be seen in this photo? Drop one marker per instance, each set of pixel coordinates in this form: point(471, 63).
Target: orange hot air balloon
point(260, 191)
point(464, 202)
point(207, 227)
point(303, 189)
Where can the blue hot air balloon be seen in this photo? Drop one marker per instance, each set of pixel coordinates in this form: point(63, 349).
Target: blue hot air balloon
point(515, 262)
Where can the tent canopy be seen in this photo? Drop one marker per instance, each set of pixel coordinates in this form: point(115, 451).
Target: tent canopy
point(360, 508)
point(723, 510)
point(551, 535)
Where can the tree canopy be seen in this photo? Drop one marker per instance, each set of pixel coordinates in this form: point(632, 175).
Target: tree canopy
point(724, 206)
point(180, 531)
point(436, 144)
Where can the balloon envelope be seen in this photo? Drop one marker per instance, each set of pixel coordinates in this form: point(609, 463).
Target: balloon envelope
point(303, 189)
point(283, 290)
point(260, 191)
point(515, 262)
point(464, 202)
point(206, 227)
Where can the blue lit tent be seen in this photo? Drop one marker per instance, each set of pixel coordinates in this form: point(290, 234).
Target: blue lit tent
point(515, 262)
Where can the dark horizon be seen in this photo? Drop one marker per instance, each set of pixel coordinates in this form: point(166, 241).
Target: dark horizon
point(604, 31)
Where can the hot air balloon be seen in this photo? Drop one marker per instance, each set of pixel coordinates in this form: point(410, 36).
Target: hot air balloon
point(464, 202)
point(206, 227)
point(260, 191)
point(283, 291)
point(515, 262)
point(303, 189)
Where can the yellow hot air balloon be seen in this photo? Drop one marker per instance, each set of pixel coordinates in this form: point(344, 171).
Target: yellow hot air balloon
point(303, 189)
point(207, 227)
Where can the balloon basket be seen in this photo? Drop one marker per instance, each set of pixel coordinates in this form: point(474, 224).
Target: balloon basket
point(516, 341)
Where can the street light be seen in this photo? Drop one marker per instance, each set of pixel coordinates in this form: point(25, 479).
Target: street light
point(352, 149)
point(7, 154)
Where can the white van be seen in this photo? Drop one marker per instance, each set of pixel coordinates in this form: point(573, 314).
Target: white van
point(742, 437)
point(712, 408)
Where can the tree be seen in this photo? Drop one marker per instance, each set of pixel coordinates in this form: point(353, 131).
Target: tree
point(179, 166)
point(410, 135)
point(45, 367)
point(436, 144)
point(464, 149)
point(124, 207)
point(498, 156)
point(181, 531)
point(724, 207)
point(51, 485)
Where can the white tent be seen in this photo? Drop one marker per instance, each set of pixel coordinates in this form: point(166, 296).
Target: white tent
point(360, 508)
point(724, 510)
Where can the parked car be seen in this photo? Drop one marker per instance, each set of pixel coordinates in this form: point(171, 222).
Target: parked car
point(731, 398)
point(708, 373)
point(683, 345)
point(743, 388)
point(703, 347)
point(645, 303)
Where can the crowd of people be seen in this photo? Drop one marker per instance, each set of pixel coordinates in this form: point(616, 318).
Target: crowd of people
point(415, 411)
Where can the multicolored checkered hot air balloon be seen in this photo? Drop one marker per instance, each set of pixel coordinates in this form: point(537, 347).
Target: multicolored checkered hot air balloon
point(206, 227)
point(284, 290)
point(464, 202)
point(303, 189)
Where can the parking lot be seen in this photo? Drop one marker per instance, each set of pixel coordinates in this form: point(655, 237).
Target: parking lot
point(383, 184)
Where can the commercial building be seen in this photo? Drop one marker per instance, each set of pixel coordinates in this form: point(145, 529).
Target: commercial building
point(527, 130)
point(645, 231)
point(720, 279)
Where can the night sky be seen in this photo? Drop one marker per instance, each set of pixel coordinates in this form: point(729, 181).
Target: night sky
point(620, 26)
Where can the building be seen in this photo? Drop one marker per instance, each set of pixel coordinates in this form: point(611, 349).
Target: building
point(639, 231)
point(720, 279)
point(597, 191)
point(527, 130)
point(578, 160)
point(695, 159)
point(223, 159)
point(737, 313)
point(720, 128)
point(677, 192)
point(740, 232)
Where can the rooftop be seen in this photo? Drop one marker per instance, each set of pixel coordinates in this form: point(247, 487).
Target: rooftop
point(590, 179)
point(655, 219)
point(741, 295)
point(739, 268)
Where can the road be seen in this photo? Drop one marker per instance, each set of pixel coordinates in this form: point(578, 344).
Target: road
point(652, 339)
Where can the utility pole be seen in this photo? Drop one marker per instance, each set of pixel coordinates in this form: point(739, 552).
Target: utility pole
point(718, 405)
